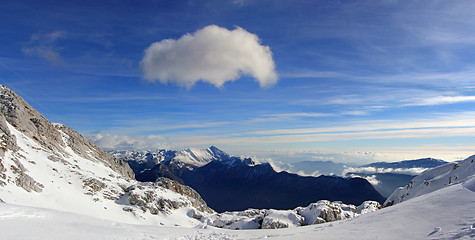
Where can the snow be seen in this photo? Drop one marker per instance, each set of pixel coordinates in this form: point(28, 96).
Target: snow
point(195, 157)
point(281, 219)
point(189, 158)
point(64, 186)
point(470, 184)
point(312, 213)
point(448, 213)
point(434, 179)
point(63, 211)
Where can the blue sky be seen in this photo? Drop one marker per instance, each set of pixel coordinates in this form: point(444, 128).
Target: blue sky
point(348, 81)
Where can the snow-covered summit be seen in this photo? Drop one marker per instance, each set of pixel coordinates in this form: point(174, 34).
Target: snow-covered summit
point(197, 157)
point(434, 179)
point(191, 158)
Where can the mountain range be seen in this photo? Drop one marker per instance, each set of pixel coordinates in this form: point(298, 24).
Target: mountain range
point(229, 183)
point(408, 164)
point(187, 167)
point(55, 184)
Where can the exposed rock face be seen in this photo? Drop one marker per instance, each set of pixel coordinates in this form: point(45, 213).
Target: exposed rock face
point(24, 180)
point(147, 197)
point(196, 200)
point(53, 137)
point(27, 120)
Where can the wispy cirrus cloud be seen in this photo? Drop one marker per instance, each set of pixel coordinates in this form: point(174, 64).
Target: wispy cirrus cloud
point(304, 73)
point(301, 114)
point(339, 136)
point(277, 117)
point(439, 22)
point(436, 122)
point(44, 46)
point(440, 100)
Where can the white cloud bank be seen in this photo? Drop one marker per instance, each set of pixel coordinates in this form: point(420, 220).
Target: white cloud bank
point(108, 141)
point(212, 54)
point(371, 179)
point(369, 170)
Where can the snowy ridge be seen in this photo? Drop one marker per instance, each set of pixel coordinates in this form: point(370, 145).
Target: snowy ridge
point(73, 183)
point(52, 166)
point(434, 179)
point(188, 158)
point(193, 157)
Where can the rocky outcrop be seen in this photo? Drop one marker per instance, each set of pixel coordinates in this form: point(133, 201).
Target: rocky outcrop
point(23, 180)
point(150, 197)
point(274, 219)
point(320, 212)
point(27, 120)
point(196, 200)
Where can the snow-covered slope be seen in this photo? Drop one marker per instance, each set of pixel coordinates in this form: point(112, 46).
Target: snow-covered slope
point(447, 213)
point(52, 166)
point(434, 179)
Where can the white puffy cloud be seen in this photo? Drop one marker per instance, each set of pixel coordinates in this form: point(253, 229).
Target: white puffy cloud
point(212, 54)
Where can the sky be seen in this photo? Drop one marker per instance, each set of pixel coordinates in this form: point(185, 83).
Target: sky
point(282, 81)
